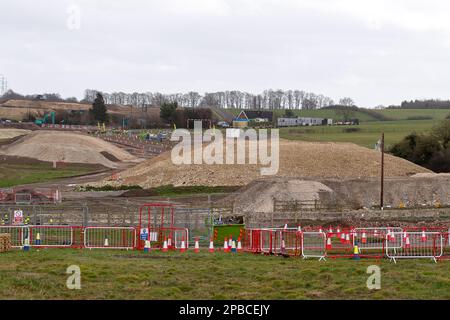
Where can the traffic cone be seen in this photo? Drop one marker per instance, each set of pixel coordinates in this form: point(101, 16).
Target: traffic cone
point(424, 236)
point(169, 243)
point(328, 247)
point(183, 246)
point(283, 246)
point(147, 246)
point(165, 245)
point(391, 236)
point(26, 244)
point(347, 238)
point(285, 226)
point(320, 229)
point(38, 239)
point(375, 233)
point(230, 241)
point(225, 245)
point(330, 230)
point(233, 246)
point(405, 235)
point(106, 244)
point(211, 246)
point(239, 245)
point(338, 232)
point(364, 237)
point(342, 237)
point(299, 229)
point(407, 243)
point(196, 246)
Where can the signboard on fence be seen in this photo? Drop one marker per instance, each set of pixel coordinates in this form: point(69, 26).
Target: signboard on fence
point(144, 233)
point(18, 217)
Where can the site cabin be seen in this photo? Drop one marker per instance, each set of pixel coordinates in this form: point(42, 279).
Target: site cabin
point(303, 121)
point(241, 121)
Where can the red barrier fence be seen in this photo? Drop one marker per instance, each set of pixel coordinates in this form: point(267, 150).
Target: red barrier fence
point(371, 242)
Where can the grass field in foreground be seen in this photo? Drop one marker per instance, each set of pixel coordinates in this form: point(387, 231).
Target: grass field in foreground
point(137, 275)
point(367, 135)
point(14, 174)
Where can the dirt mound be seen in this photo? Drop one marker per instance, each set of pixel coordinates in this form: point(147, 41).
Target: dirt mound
point(338, 194)
point(68, 147)
point(297, 159)
point(12, 133)
point(259, 196)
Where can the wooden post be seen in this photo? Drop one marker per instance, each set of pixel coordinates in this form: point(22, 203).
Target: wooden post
point(382, 173)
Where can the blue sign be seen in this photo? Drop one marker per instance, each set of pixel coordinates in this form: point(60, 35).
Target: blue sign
point(144, 234)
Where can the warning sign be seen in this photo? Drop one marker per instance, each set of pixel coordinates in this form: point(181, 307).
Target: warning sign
point(18, 217)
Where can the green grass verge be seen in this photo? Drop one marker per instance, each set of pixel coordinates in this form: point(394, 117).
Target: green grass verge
point(137, 275)
point(16, 174)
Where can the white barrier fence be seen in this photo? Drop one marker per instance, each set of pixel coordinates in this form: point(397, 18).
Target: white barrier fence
point(314, 245)
point(414, 245)
point(109, 238)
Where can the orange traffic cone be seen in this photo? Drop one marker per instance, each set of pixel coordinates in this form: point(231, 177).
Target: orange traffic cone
point(347, 238)
point(407, 243)
point(169, 243)
point(165, 247)
point(328, 243)
point(230, 241)
point(239, 245)
point(330, 230)
point(183, 246)
point(225, 245)
point(424, 236)
point(211, 245)
point(364, 237)
point(342, 237)
point(196, 246)
point(338, 232)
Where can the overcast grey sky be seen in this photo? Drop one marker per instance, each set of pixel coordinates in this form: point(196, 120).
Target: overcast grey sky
point(377, 52)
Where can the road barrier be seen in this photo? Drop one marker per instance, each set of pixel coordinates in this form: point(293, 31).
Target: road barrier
point(313, 245)
point(44, 236)
point(414, 245)
point(18, 234)
point(109, 238)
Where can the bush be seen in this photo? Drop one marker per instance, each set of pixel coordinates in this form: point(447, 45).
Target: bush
point(420, 118)
point(350, 130)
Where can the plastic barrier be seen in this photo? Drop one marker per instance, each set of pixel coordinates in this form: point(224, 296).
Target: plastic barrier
point(109, 238)
point(414, 245)
point(45, 236)
point(18, 234)
point(314, 245)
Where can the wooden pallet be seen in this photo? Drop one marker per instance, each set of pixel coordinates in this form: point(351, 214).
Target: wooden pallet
point(5, 242)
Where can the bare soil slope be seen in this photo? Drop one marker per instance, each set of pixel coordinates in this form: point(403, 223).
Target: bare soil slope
point(12, 133)
point(297, 159)
point(68, 147)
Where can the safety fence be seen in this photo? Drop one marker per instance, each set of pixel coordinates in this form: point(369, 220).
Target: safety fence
point(126, 238)
point(377, 242)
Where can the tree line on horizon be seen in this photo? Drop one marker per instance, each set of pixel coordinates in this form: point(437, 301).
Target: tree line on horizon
point(268, 99)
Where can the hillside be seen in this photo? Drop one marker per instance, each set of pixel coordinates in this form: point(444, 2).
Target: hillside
point(297, 159)
point(67, 147)
point(19, 109)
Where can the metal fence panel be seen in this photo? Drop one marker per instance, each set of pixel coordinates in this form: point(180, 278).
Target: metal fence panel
point(314, 245)
point(109, 238)
point(415, 245)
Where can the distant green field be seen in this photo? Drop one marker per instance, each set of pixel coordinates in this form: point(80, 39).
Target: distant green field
point(156, 275)
point(367, 136)
point(404, 114)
